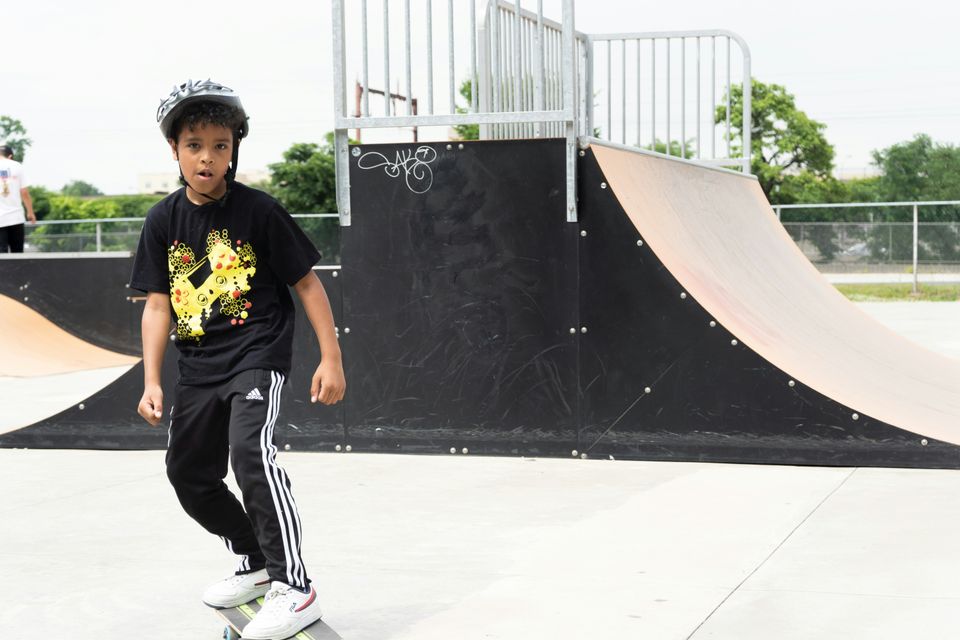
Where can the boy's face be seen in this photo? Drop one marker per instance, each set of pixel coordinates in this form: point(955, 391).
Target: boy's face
point(204, 153)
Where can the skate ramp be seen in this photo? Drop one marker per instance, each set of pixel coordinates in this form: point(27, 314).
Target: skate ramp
point(34, 346)
point(716, 234)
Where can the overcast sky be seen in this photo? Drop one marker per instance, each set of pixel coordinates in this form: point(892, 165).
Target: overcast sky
point(86, 78)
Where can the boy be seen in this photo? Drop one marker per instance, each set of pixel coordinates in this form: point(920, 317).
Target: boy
point(222, 255)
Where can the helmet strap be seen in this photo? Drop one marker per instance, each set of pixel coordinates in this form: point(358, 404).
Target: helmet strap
point(228, 177)
point(232, 169)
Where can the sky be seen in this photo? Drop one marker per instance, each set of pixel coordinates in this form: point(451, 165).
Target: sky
point(85, 79)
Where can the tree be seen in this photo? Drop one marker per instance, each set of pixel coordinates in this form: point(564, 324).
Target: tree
point(80, 189)
point(466, 131)
point(13, 132)
point(785, 142)
point(919, 169)
point(305, 182)
point(41, 200)
point(82, 235)
point(676, 149)
point(922, 169)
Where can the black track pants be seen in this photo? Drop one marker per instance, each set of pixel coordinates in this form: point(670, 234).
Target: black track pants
point(236, 418)
point(11, 239)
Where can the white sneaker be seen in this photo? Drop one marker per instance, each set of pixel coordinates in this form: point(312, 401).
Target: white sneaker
point(285, 613)
point(237, 590)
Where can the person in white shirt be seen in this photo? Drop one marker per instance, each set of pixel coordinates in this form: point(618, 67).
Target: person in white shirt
point(13, 198)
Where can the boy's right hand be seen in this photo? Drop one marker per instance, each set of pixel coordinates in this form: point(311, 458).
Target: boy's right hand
point(151, 405)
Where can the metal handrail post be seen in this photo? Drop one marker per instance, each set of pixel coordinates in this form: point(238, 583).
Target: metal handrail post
point(340, 138)
point(588, 89)
point(747, 111)
point(916, 243)
point(99, 238)
point(570, 78)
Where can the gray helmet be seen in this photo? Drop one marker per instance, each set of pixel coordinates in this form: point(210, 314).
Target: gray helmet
point(191, 91)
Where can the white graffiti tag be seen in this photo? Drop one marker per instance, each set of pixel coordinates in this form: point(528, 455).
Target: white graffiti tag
point(415, 165)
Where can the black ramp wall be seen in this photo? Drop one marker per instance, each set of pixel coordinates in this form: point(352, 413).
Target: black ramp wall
point(662, 380)
point(87, 296)
point(473, 316)
point(84, 295)
point(459, 298)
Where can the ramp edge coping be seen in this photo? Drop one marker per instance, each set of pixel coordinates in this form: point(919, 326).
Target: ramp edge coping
point(588, 141)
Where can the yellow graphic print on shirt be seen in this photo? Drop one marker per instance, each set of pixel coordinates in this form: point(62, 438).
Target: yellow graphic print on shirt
point(228, 270)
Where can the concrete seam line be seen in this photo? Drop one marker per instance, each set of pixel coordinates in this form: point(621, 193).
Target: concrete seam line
point(771, 554)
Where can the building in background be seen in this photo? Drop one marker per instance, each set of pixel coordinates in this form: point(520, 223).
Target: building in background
point(163, 183)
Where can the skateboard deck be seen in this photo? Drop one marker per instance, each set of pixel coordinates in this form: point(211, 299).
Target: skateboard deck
point(238, 617)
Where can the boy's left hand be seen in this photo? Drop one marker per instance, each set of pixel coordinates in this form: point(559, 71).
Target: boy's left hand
point(329, 383)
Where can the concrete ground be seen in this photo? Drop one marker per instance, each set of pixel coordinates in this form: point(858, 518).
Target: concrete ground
point(932, 325)
point(95, 547)
point(892, 278)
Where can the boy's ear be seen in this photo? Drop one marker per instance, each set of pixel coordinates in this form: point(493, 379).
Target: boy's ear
point(173, 147)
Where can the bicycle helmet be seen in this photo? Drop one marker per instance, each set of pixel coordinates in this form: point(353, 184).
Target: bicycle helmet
point(190, 91)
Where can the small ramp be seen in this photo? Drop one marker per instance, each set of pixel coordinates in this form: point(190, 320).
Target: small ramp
point(69, 376)
point(822, 372)
point(34, 346)
point(45, 370)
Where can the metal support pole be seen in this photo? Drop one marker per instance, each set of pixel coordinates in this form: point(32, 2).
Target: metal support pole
point(474, 85)
point(623, 92)
point(386, 57)
point(341, 140)
point(713, 97)
point(653, 94)
point(570, 78)
point(639, 95)
point(683, 97)
point(747, 108)
point(589, 85)
point(538, 69)
point(451, 72)
point(729, 98)
point(99, 238)
point(517, 57)
point(406, 56)
point(916, 245)
point(609, 86)
point(366, 71)
point(699, 143)
point(669, 73)
point(429, 58)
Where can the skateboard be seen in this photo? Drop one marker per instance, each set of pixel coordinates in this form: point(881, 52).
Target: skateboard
point(237, 618)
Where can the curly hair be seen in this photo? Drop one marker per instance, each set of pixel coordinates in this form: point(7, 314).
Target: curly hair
point(205, 112)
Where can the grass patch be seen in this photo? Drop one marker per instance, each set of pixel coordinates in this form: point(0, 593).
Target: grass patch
point(900, 291)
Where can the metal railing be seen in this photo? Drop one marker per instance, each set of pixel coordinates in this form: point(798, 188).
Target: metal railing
point(110, 235)
point(358, 38)
point(532, 77)
point(522, 69)
point(936, 242)
point(653, 68)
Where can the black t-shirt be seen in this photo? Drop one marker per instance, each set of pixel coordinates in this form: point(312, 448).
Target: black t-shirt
point(226, 269)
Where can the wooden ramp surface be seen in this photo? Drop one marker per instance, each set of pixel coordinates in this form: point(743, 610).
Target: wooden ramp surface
point(33, 346)
point(717, 234)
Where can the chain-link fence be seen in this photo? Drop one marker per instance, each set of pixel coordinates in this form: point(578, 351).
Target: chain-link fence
point(890, 237)
point(838, 247)
point(834, 247)
point(121, 234)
